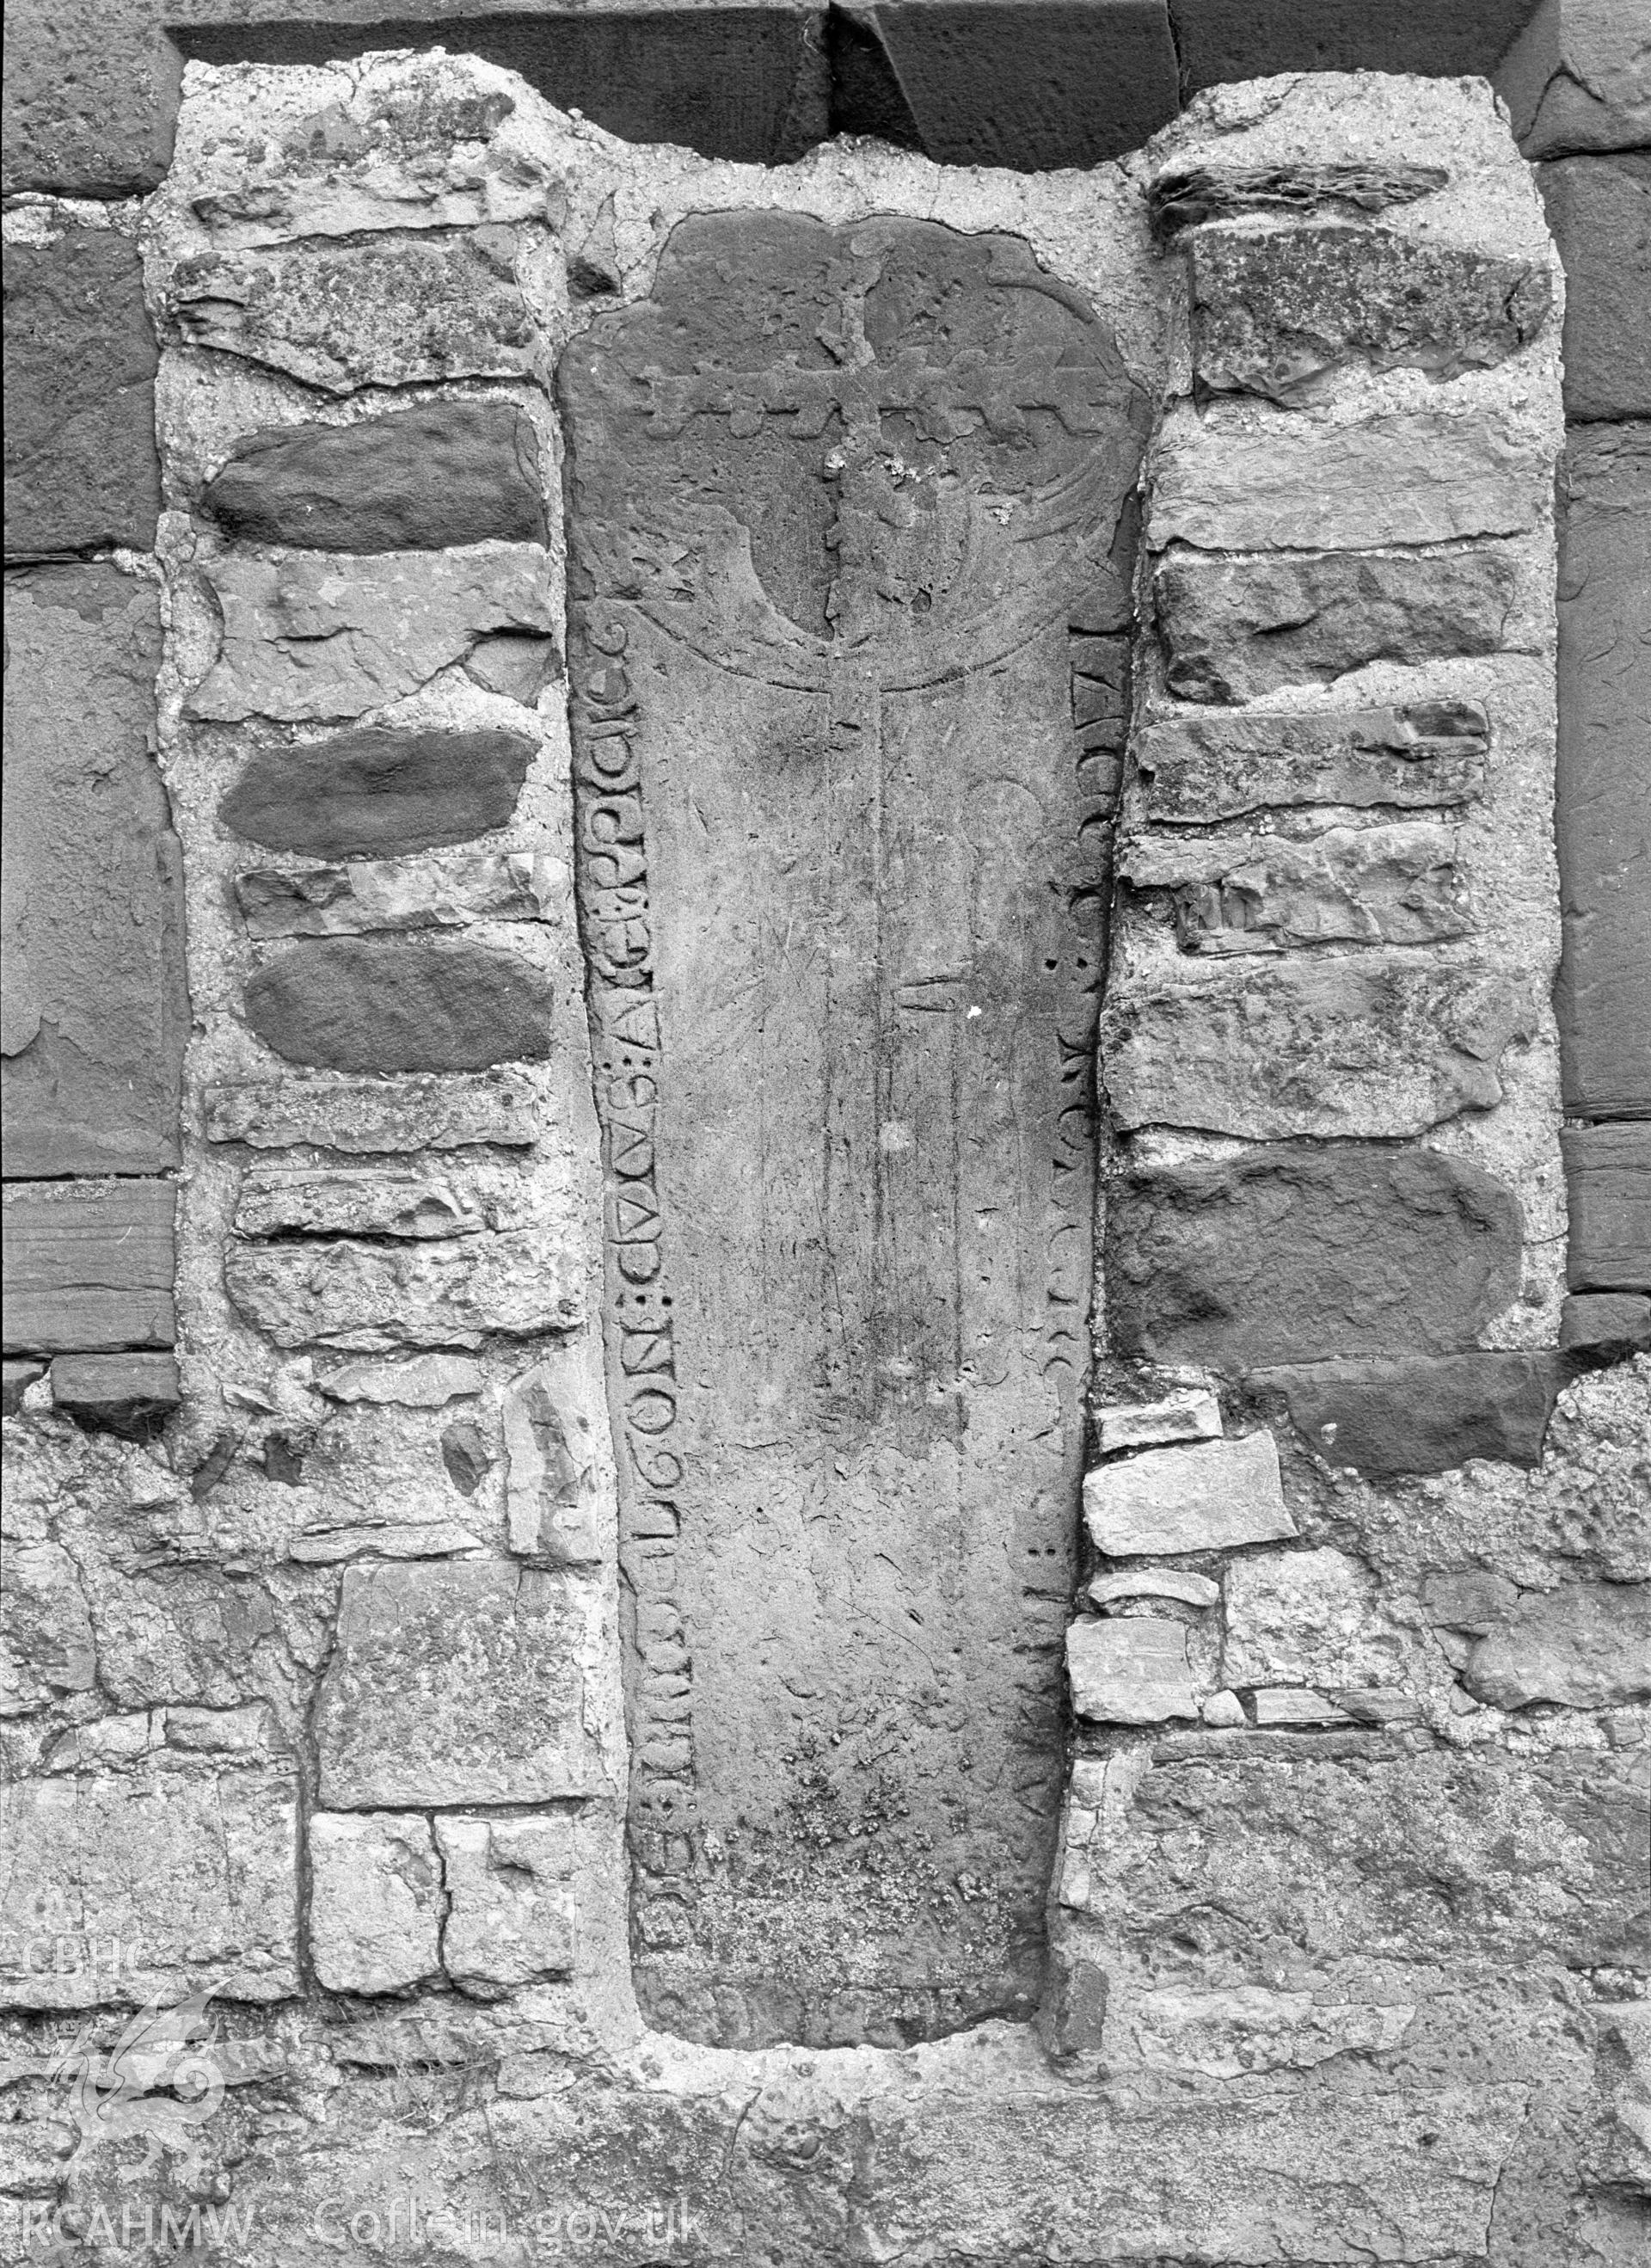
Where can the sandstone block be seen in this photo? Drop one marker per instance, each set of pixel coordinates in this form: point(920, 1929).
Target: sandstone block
point(1613, 1324)
point(510, 1917)
point(1396, 885)
point(453, 1683)
point(318, 634)
point(1292, 1252)
point(91, 98)
point(375, 1900)
point(1131, 1672)
point(1206, 1496)
point(81, 472)
point(1608, 1182)
point(1599, 210)
point(1309, 1618)
point(1186, 194)
point(1421, 1414)
point(1371, 1046)
point(420, 1382)
point(88, 1265)
point(1191, 1414)
point(1579, 78)
point(369, 1298)
point(1192, 1590)
point(367, 1114)
point(1221, 40)
point(94, 1014)
point(552, 1431)
point(1237, 629)
point(354, 1201)
point(1192, 770)
point(413, 480)
point(379, 792)
point(350, 1006)
point(1586, 1645)
point(1279, 313)
point(374, 894)
point(124, 1393)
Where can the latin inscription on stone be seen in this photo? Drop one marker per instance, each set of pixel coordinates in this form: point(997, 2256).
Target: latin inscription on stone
point(839, 498)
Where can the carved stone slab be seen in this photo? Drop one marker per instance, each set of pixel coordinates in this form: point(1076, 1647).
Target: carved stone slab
point(88, 1265)
point(837, 497)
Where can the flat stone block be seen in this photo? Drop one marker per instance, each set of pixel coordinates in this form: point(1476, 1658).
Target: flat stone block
point(1579, 78)
point(1130, 1672)
point(1189, 1415)
point(125, 1393)
point(1603, 787)
point(1421, 1414)
point(1293, 1251)
point(1192, 770)
point(95, 1014)
point(1235, 629)
point(375, 1900)
point(1584, 1646)
point(368, 1297)
point(89, 1265)
point(91, 97)
point(1281, 1706)
point(510, 1915)
point(384, 894)
point(1599, 210)
point(380, 792)
point(364, 1115)
point(453, 1683)
point(1616, 1323)
point(1309, 1618)
point(81, 471)
point(1394, 885)
point(1208, 1496)
point(351, 1005)
point(413, 479)
point(1221, 40)
point(355, 1201)
point(1608, 1182)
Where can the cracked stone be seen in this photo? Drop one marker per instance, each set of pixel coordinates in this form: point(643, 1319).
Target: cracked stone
point(512, 886)
point(512, 1917)
point(1193, 770)
point(366, 1299)
point(1186, 194)
point(350, 1202)
point(375, 1900)
point(1191, 1414)
point(553, 1427)
point(1393, 885)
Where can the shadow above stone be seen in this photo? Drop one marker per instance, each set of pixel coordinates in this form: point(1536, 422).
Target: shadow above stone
point(378, 793)
point(1419, 1414)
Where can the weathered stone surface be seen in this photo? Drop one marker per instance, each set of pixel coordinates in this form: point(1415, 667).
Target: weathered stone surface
point(366, 1114)
point(386, 894)
point(350, 1006)
point(1191, 1414)
point(318, 634)
point(1419, 1414)
point(466, 1454)
point(1194, 770)
point(1608, 1182)
point(1279, 1707)
point(421, 1381)
point(91, 98)
point(369, 1298)
point(192, 1870)
point(510, 1915)
point(1130, 1672)
point(1614, 1323)
point(1280, 312)
point(1603, 789)
point(1205, 1497)
point(1587, 1645)
point(1294, 1252)
point(375, 1900)
point(1335, 1047)
point(94, 1014)
point(1599, 210)
point(1192, 1590)
point(1186, 195)
point(378, 790)
point(1309, 1618)
point(88, 1265)
point(81, 472)
point(355, 1201)
point(554, 1496)
point(1236, 628)
point(453, 1683)
point(397, 308)
point(515, 663)
point(47, 1648)
point(1396, 885)
point(413, 479)
point(1579, 78)
point(1220, 39)
point(126, 1392)
point(18, 1378)
point(1235, 2035)
point(842, 493)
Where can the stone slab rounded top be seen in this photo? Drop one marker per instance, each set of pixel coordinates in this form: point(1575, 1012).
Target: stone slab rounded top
point(351, 1004)
point(378, 793)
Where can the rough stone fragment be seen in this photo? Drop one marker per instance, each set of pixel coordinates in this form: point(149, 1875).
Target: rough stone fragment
point(423, 1539)
point(1278, 1706)
point(1221, 40)
point(1309, 1618)
point(453, 1683)
point(1224, 1711)
point(1279, 313)
point(1603, 808)
point(553, 1432)
point(510, 1916)
point(379, 792)
point(375, 1900)
point(48, 1647)
point(94, 1014)
point(1130, 1672)
point(1205, 1497)
point(1234, 2034)
point(1191, 1414)
point(1608, 1182)
point(1229, 480)
point(18, 1377)
point(1192, 1590)
point(398, 308)
point(414, 479)
point(467, 1455)
point(1294, 1252)
point(1368, 1046)
point(1394, 885)
point(88, 1266)
point(91, 98)
point(1195, 770)
point(350, 1006)
point(318, 634)
point(366, 1114)
point(350, 1201)
point(81, 472)
point(515, 663)
point(1421, 1414)
point(1186, 195)
point(388, 894)
point(1585, 1645)
point(1613, 1323)
point(369, 1298)
point(125, 1393)
point(422, 1381)
point(1599, 210)
point(192, 1870)
point(1236, 628)
point(1579, 78)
